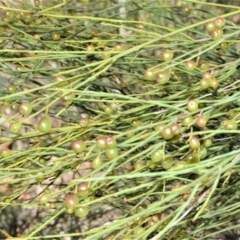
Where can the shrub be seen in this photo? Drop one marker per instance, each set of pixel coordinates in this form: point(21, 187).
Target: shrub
point(126, 117)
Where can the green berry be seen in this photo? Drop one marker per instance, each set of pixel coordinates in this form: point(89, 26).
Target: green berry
point(217, 34)
point(207, 143)
point(214, 83)
point(167, 162)
point(78, 146)
point(219, 22)
point(204, 84)
point(101, 143)
point(192, 158)
point(81, 211)
point(5, 152)
point(203, 65)
point(11, 88)
point(162, 77)
point(61, 81)
point(157, 155)
point(190, 66)
point(194, 143)
point(167, 133)
point(110, 142)
point(97, 163)
point(187, 121)
point(210, 26)
point(201, 121)
point(15, 127)
point(55, 36)
point(111, 153)
point(192, 105)
point(68, 99)
point(83, 189)
point(25, 108)
point(149, 75)
point(45, 125)
point(167, 55)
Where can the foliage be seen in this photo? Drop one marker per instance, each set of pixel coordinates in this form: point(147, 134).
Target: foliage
point(138, 100)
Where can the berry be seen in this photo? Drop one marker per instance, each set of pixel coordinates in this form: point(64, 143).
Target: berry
point(90, 48)
point(233, 115)
point(149, 75)
point(214, 83)
point(207, 75)
point(84, 122)
point(118, 47)
point(204, 83)
point(224, 45)
point(192, 105)
point(159, 127)
point(94, 33)
point(167, 133)
point(15, 127)
point(192, 158)
point(136, 123)
point(25, 108)
point(45, 125)
point(175, 138)
point(111, 142)
point(210, 26)
point(11, 88)
point(78, 146)
point(167, 163)
point(217, 34)
point(219, 22)
point(81, 211)
point(68, 99)
point(229, 125)
point(101, 143)
point(201, 121)
point(138, 166)
point(187, 10)
point(141, 208)
point(190, 66)
point(28, 18)
point(5, 152)
point(14, 106)
point(111, 153)
point(130, 133)
point(175, 129)
point(97, 163)
point(203, 65)
point(44, 198)
point(83, 189)
point(108, 110)
point(187, 121)
point(167, 55)
point(162, 77)
point(70, 210)
point(194, 143)
point(203, 152)
point(55, 36)
point(61, 81)
point(157, 155)
point(37, 3)
point(180, 165)
point(106, 55)
point(207, 143)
